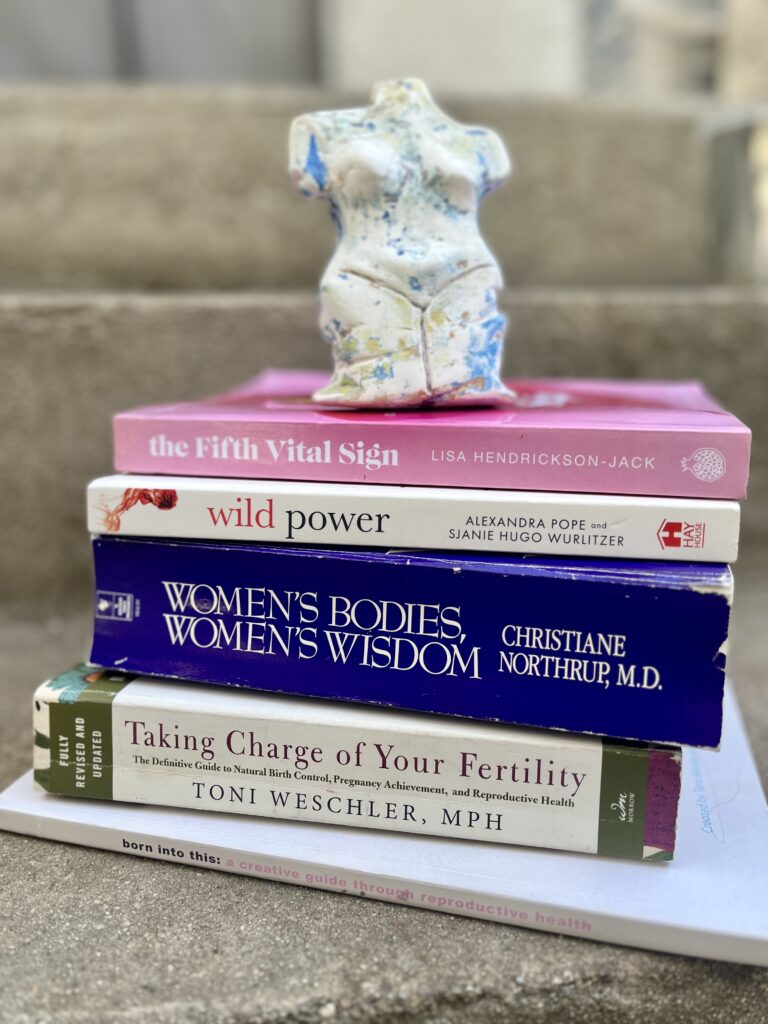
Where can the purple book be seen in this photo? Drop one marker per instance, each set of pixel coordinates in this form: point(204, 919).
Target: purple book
point(618, 648)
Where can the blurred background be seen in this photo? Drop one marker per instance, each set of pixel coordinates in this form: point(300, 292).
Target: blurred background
point(552, 47)
point(152, 248)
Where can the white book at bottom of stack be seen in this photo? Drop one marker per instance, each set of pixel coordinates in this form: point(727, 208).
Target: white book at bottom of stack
point(711, 901)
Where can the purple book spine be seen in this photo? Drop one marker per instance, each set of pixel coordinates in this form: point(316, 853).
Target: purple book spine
point(624, 649)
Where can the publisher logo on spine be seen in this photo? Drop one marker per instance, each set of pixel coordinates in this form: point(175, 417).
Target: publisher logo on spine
point(706, 464)
point(624, 807)
point(112, 605)
point(679, 534)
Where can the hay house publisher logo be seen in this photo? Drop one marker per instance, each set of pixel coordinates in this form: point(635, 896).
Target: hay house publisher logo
point(678, 534)
point(706, 464)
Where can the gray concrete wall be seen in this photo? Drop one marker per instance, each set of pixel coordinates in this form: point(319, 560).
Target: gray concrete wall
point(161, 40)
point(187, 188)
point(743, 67)
point(489, 46)
point(119, 190)
point(70, 362)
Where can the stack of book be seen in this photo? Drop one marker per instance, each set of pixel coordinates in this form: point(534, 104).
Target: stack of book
point(515, 617)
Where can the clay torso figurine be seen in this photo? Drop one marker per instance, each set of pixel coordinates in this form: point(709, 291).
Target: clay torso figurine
point(408, 300)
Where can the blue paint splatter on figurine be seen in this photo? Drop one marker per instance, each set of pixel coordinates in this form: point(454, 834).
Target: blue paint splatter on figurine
point(314, 165)
point(409, 299)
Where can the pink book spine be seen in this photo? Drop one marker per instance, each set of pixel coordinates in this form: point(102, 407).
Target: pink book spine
point(673, 462)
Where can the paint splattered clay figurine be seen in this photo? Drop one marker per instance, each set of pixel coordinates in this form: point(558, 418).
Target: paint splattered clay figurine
point(409, 299)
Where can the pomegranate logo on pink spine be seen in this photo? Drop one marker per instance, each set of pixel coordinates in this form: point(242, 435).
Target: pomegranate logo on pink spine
point(706, 464)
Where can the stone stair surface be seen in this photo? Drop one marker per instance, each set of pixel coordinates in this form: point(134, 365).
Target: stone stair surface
point(89, 937)
point(150, 246)
point(152, 187)
point(73, 360)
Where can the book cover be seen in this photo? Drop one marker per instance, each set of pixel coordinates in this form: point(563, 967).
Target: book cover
point(634, 650)
point(136, 740)
point(587, 436)
point(710, 901)
point(445, 518)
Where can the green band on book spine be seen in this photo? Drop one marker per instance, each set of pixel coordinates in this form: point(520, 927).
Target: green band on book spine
point(623, 794)
point(81, 749)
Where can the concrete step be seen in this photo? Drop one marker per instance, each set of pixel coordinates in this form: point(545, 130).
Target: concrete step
point(133, 188)
point(198, 946)
point(72, 360)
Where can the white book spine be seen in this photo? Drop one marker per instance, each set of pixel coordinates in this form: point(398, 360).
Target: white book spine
point(569, 900)
point(151, 741)
point(444, 518)
point(147, 836)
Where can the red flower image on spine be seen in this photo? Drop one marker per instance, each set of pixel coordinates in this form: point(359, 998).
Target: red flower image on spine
point(163, 500)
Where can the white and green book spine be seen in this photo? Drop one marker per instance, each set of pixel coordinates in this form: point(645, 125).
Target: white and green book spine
point(113, 736)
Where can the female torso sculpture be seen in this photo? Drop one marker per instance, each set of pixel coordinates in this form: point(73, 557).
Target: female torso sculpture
point(408, 300)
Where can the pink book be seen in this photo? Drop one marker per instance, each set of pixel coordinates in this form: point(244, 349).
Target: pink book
point(589, 436)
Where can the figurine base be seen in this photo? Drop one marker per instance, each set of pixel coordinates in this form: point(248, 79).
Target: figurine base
point(344, 390)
